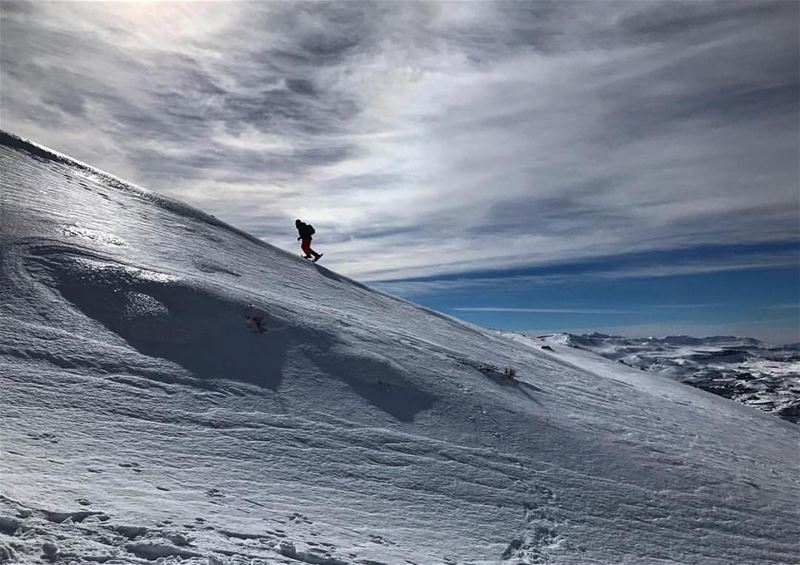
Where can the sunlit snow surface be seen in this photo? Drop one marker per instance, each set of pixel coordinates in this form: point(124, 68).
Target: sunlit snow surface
point(173, 388)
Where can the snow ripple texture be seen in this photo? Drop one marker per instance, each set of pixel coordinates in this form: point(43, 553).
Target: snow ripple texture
point(177, 391)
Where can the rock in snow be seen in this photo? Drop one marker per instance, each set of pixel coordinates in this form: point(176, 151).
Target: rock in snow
point(140, 403)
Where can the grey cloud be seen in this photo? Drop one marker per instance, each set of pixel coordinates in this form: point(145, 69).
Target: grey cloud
point(551, 130)
point(543, 310)
point(557, 214)
point(520, 282)
point(674, 20)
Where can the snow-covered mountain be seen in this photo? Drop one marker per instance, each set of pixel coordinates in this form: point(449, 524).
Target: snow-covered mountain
point(175, 389)
point(742, 369)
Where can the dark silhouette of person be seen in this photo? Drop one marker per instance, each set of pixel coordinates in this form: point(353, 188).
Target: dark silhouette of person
point(306, 231)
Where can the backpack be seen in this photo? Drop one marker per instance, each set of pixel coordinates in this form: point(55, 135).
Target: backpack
point(311, 230)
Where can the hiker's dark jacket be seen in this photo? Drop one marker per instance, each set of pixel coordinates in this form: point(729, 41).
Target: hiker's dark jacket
point(305, 230)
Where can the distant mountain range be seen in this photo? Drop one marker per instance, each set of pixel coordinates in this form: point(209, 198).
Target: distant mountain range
point(742, 369)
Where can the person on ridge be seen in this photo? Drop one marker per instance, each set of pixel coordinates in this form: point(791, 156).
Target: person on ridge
point(306, 231)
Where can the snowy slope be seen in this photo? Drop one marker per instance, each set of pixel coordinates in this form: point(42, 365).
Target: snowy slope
point(742, 369)
point(145, 415)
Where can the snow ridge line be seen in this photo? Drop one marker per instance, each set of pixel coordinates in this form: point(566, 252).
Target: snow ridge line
point(39, 151)
point(36, 150)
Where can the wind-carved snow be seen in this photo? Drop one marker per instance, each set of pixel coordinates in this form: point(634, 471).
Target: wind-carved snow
point(141, 305)
point(198, 396)
point(94, 235)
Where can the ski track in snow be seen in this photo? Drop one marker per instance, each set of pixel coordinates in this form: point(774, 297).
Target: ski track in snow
point(177, 391)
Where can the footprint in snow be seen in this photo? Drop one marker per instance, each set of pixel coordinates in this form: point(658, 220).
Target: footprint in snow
point(214, 493)
point(135, 467)
point(297, 518)
point(43, 436)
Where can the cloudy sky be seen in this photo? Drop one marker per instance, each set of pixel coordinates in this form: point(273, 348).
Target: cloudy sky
point(625, 166)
